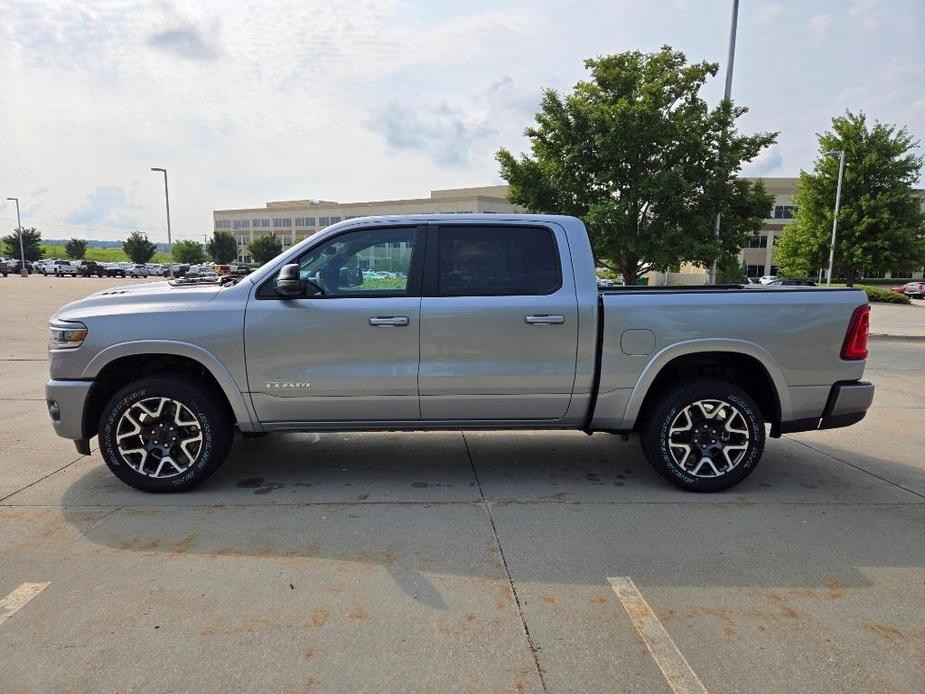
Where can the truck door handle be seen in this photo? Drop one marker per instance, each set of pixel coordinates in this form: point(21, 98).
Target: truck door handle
point(388, 321)
point(549, 319)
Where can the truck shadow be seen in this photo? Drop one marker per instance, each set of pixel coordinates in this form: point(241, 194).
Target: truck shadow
point(566, 508)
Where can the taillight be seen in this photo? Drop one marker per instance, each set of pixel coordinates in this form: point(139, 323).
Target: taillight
point(855, 344)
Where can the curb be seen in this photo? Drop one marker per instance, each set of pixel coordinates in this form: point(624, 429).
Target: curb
point(883, 337)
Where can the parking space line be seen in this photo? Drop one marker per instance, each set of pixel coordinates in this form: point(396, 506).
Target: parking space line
point(19, 597)
point(674, 666)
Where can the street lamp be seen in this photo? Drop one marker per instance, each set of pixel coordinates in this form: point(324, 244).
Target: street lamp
point(727, 94)
point(841, 174)
point(167, 202)
point(22, 253)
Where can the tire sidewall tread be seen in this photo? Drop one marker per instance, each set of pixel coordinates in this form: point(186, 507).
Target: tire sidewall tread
point(655, 434)
point(217, 431)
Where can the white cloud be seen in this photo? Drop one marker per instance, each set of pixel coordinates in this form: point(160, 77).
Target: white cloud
point(819, 26)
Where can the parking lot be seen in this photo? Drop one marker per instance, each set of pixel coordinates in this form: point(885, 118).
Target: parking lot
point(460, 562)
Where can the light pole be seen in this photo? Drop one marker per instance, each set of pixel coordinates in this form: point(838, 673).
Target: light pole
point(727, 94)
point(167, 202)
point(841, 174)
point(22, 253)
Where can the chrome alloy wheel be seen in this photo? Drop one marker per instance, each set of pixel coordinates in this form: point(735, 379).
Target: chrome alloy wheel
point(708, 438)
point(159, 437)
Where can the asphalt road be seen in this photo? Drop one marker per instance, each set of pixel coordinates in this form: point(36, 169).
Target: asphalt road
point(451, 562)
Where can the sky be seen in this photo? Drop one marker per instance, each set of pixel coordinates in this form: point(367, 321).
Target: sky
point(245, 102)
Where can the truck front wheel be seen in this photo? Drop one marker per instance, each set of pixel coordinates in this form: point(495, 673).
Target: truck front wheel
point(164, 434)
point(705, 436)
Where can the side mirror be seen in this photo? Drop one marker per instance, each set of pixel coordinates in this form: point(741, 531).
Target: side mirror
point(288, 283)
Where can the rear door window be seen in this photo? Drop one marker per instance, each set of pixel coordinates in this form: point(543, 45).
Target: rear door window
point(496, 261)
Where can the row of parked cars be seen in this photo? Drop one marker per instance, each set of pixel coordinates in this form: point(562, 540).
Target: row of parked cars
point(90, 268)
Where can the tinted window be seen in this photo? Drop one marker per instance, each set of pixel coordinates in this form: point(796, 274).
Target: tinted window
point(373, 262)
point(497, 261)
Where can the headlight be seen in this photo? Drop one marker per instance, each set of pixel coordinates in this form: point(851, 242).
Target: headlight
point(66, 335)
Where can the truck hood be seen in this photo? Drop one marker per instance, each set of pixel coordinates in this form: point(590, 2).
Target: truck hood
point(138, 298)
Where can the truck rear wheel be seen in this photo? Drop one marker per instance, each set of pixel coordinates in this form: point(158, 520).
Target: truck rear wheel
point(705, 436)
point(164, 434)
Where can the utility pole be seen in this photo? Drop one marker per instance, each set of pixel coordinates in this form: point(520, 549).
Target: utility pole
point(22, 253)
point(727, 94)
point(841, 175)
point(167, 202)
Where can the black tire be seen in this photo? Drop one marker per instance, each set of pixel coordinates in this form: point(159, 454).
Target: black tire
point(215, 422)
point(655, 436)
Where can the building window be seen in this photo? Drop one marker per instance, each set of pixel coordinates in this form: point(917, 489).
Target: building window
point(258, 223)
point(758, 241)
point(324, 221)
point(305, 221)
point(282, 222)
point(774, 270)
point(243, 239)
point(335, 220)
point(222, 223)
point(241, 224)
point(754, 270)
point(784, 211)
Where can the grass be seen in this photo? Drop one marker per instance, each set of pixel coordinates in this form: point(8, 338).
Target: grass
point(101, 255)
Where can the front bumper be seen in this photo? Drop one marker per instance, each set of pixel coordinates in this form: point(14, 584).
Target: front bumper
point(847, 404)
point(66, 400)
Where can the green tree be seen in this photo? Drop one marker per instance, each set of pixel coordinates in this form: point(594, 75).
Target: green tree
point(880, 223)
point(730, 270)
point(32, 244)
point(189, 252)
point(76, 249)
point(264, 248)
point(223, 248)
point(138, 248)
point(638, 155)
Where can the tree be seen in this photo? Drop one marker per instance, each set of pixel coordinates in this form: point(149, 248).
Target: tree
point(638, 155)
point(138, 248)
point(223, 248)
point(264, 248)
point(880, 223)
point(32, 244)
point(189, 252)
point(76, 249)
point(730, 270)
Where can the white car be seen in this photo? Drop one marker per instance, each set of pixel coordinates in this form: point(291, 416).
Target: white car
point(137, 270)
point(60, 268)
point(155, 269)
point(766, 279)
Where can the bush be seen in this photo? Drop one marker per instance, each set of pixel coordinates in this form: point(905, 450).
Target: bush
point(879, 294)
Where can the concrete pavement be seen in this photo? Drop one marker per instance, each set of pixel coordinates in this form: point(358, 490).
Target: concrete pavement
point(451, 562)
point(898, 320)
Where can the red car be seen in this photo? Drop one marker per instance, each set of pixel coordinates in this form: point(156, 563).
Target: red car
point(914, 290)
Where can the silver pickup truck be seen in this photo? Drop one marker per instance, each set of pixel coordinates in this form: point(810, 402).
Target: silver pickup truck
point(451, 322)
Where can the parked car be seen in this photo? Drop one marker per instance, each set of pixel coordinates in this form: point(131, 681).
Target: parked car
point(179, 269)
point(155, 269)
point(138, 270)
point(114, 269)
point(64, 267)
point(4, 267)
point(785, 282)
point(87, 268)
point(16, 266)
point(698, 372)
point(914, 290)
point(766, 279)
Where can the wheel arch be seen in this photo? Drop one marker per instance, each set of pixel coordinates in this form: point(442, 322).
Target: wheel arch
point(120, 364)
point(745, 364)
